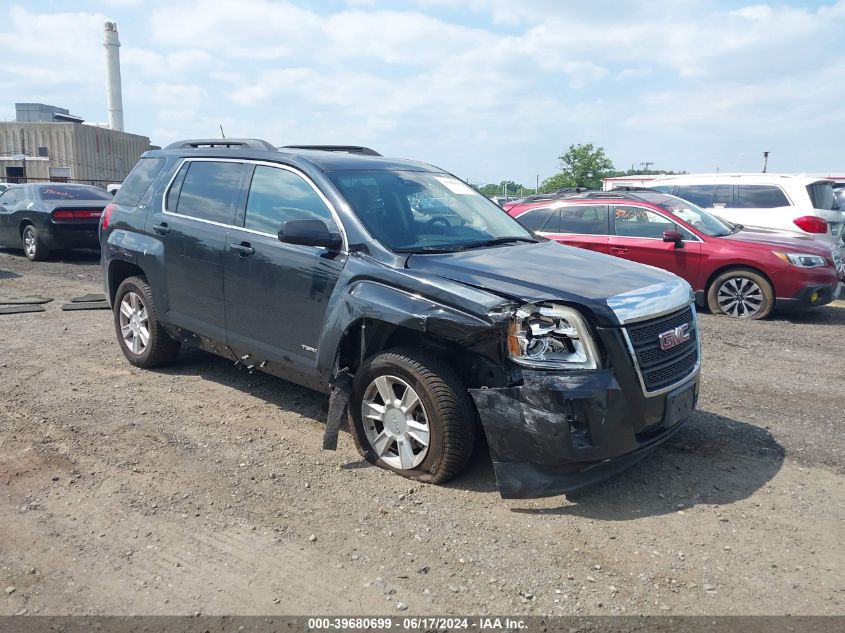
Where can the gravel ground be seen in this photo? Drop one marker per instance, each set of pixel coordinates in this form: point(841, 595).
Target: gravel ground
point(199, 488)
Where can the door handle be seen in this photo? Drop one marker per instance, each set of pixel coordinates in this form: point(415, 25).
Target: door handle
point(243, 249)
point(619, 250)
point(162, 229)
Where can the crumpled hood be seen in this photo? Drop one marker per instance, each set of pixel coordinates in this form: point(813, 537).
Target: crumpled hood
point(548, 270)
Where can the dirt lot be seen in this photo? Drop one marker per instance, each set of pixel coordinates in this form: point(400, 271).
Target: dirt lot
point(200, 488)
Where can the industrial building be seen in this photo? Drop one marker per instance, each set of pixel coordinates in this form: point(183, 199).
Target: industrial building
point(48, 143)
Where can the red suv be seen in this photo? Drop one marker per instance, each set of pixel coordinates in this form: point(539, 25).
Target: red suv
point(733, 270)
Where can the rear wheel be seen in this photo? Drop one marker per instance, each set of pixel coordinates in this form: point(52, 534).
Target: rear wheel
point(141, 337)
point(741, 293)
point(33, 247)
point(412, 414)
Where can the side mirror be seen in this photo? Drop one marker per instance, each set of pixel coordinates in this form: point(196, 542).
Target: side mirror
point(674, 236)
point(309, 233)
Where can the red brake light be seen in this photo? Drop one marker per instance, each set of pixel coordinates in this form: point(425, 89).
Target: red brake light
point(107, 215)
point(811, 224)
point(76, 214)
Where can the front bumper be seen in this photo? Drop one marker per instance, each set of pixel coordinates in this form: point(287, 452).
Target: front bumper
point(812, 296)
point(561, 431)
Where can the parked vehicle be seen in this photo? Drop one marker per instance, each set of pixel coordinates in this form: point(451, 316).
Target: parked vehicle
point(566, 192)
point(314, 266)
point(734, 271)
point(802, 204)
point(4, 186)
point(43, 217)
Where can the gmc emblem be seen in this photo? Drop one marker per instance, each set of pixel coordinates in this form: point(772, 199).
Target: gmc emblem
point(674, 337)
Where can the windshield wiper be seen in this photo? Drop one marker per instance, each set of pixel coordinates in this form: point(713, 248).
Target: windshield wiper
point(499, 240)
point(431, 249)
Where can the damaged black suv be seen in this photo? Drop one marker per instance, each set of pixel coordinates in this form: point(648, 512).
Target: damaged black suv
point(423, 310)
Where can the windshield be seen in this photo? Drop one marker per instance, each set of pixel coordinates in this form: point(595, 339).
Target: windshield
point(72, 192)
point(693, 215)
point(412, 211)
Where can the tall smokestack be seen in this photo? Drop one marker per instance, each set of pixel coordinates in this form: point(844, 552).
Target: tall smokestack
point(114, 94)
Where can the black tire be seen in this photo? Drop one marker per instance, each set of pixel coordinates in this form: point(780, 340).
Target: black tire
point(160, 348)
point(449, 410)
point(32, 244)
point(735, 284)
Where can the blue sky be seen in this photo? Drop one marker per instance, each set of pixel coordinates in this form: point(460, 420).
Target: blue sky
point(487, 89)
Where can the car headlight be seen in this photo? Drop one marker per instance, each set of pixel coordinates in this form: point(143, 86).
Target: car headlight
point(551, 336)
point(803, 260)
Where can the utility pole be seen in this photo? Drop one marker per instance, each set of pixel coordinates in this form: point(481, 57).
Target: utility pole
point(646, 164)
point(537, 187)
point(765, 161)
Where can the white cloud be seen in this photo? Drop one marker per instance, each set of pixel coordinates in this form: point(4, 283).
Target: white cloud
point(493, 95)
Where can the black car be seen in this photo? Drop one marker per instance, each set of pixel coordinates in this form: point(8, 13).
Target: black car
point(49, 216)
point(317, 266)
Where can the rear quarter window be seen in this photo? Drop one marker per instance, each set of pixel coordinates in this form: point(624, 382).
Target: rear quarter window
point(760, 197)
point(138, 181)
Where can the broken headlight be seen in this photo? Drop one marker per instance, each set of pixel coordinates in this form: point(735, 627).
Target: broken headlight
point(551, 336)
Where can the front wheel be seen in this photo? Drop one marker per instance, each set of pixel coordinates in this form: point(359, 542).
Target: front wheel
point(411, 414)
point(742, 294)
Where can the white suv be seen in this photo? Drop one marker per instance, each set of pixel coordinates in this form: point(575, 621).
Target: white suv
point(802, 204)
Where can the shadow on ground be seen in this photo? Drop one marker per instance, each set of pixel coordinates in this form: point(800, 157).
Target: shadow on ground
point(86, 256)
point(713, 460)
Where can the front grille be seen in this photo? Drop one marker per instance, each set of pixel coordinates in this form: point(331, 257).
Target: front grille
point(662, 368)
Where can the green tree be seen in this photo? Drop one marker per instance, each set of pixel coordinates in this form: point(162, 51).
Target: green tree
point(505, 187)
point(558, 181)
point(586, 165)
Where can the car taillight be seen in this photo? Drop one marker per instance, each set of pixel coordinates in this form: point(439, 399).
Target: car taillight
point(811, 224)
point(107, 215)
point(76, 214)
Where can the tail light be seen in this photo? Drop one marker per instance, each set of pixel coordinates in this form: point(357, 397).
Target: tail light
point(76, 214)
point(811, 224)
point(107, 215)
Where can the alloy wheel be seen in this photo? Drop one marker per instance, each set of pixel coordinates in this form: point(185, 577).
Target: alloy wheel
point(29, 243)
point(740, 297)
point(395, 422)
point(134, 323)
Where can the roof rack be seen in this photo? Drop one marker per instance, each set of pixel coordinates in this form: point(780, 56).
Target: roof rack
point(618, 192)
point(349, 149)
point(228, 143)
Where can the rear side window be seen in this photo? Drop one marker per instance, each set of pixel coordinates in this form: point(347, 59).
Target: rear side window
point(639, 222)
point(209, 191)
point(534, 219)
point(759, 197)
point(700, 195)
point(588, 219)
point(9, 197)
point(138, 181)
point(277, 195)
